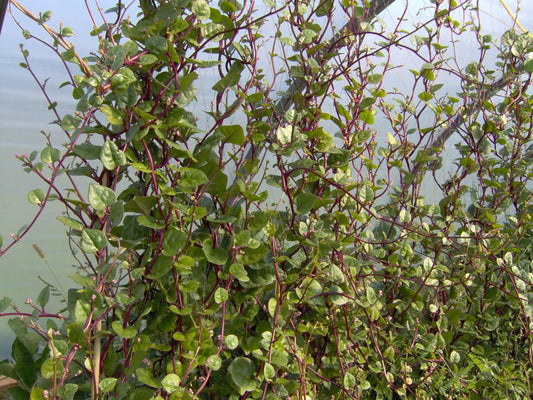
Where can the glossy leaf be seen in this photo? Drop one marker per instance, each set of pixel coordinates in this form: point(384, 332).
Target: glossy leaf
point(111, 156)
point(36, 196)
point(100, 197)
point(113, 115)
point(50, 155)
point(107, 384)
point(92, 240)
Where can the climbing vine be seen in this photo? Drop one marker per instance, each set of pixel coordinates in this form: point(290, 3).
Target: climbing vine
point(280, 245)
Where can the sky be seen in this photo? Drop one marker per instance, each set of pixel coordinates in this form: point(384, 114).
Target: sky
point(23, 114)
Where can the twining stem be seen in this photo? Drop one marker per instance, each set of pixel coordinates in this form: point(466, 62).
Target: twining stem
point(55, 35)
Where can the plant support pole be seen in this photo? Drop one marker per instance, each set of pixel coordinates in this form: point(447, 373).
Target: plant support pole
point(3, 8)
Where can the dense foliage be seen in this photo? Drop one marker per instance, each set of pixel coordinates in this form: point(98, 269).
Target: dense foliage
point(269, 245)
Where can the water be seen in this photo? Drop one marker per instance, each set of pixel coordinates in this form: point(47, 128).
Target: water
point(23, 114)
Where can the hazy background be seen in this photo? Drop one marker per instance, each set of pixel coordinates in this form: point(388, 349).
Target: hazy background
point(24, 114)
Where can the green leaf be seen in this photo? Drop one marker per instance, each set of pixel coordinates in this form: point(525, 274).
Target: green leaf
point(214, 362)
point(107, 384)
point(349, 381)
point(92, 240)
point(145, 376)
point(192, 177)
point(147, 59)
point(67, 391)
point(337, 299)
point(37, 394)
point(25, 367)
point(87, 151)
point(427, 71)
point(100, 197)
point(36, 196)
point(221, 295)
point(233, 134)
point(4, 303)
point(374, 78)
point(171, 383)
point(113, 115)
point(455, 357)
point(242, 373)
point(425, 96)
point(366, 116)
point(111, 156)
point(161, 267)
point(50, 155)
point(371, 295)
point(51, 368)
point(305, 202)
point(44, 296)
point(284, 134)
point(239, 272)
point(71, 223)
point(227, 6)
point(218, 256)
point(269, 372)
point(231, 342)
point(201, 9)
point(67, 32)
point(70, 122)
point(124, 333)
point(174, 240)
point(365, 194)
point(453, 315)
point(149, 222)
point(231, 79)
point(80, 312)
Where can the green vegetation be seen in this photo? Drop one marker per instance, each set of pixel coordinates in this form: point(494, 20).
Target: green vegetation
point(279, 246)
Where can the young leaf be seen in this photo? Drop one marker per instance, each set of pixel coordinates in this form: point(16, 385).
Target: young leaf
point(36, 196)
point(214, 362)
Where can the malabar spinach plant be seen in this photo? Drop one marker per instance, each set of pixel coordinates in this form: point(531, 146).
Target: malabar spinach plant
point(256, 200)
